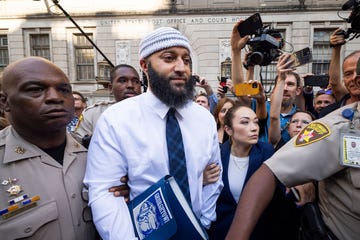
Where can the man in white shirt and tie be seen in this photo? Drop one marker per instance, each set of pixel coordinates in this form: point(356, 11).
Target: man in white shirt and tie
point(130, 138)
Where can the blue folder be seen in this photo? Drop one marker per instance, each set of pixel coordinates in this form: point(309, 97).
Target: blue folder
point(162, 212)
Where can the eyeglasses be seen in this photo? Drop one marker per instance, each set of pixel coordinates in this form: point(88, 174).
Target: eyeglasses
point(324, 91)
point(296, 121)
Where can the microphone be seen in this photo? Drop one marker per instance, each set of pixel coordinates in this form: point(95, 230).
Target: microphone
point(348, 4)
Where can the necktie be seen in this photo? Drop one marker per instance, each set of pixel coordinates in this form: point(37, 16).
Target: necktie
point(176, 153)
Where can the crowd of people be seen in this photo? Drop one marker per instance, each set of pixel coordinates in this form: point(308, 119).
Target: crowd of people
point(249, 166)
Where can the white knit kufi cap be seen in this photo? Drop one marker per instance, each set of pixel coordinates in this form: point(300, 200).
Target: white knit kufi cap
point(162, 38)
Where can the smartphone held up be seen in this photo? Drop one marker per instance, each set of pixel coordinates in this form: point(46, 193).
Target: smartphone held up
point(223, 81)
point(321, 80)
point(247, 89)
point(250, 26)
point(301, 57)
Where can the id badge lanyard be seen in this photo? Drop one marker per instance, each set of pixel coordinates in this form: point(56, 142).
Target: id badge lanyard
point(350, 140)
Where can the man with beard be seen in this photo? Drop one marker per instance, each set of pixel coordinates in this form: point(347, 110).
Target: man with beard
point(284, 93)
point(42, 166)
point(135, 144)
point(288, 108)
point(124, 83)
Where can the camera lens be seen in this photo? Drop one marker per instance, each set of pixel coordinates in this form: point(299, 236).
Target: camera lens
point(256, 58)
point(254, 85)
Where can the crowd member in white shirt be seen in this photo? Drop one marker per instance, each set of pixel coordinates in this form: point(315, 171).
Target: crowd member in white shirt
point(135, 143)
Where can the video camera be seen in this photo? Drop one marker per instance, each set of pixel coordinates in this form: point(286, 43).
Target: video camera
point(264, 46)
point(353, 19)
point(264, 42)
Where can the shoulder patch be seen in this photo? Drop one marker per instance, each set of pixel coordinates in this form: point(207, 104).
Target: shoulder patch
point(313, 132)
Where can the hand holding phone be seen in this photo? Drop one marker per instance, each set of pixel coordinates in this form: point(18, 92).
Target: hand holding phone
point(245, 89)
point(301, 57)
point(250, 25)
point(223, 81)
point(321, 80)
point(195, 79)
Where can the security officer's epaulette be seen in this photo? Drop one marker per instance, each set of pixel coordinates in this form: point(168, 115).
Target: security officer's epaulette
point(100, 103)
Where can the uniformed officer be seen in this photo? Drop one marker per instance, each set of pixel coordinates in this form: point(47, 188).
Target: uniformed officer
point(328, 151)
point(41, 165)
point(124, 83)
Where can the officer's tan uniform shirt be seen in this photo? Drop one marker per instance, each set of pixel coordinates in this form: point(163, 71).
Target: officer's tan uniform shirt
point(339, 190)
point(59, 212)
point(86, 125)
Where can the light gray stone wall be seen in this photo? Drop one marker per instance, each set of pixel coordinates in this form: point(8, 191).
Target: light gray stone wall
point(207, 24)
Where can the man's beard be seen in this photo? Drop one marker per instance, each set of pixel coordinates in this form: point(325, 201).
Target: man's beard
point(286, 103)
point(162, 89)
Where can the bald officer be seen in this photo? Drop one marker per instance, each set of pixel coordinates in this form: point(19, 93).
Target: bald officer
point(41, 165)
point(327, 150)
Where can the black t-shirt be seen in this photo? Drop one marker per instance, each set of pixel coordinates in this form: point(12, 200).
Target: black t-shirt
point(57, 152)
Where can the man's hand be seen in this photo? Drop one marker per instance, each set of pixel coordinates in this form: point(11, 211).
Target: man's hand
point(284, 65)
point(211, 174)
point(261, 96)
point(230, 85)
point(306, 192)
point(121, 190)
point(220, 91)
point(337, 38)
point(237, 42)
point(203, 83)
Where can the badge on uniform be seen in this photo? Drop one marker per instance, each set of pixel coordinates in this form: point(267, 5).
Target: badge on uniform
point(14, 189)
point(313, 132)
point(350, 149)
point(19, 203)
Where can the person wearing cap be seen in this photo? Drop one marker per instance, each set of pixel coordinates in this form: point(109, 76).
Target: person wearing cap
point(135, 143)
point(323, 98)
point(337, 169)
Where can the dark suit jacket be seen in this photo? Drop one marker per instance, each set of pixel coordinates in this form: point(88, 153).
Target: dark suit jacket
point(226, 204)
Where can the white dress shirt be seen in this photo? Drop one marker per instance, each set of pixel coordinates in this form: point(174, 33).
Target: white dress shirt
point(130, 139)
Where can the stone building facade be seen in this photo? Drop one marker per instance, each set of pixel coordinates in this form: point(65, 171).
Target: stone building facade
point(40, 28)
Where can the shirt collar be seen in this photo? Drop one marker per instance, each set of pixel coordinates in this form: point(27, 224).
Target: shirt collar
point(160, 108)
point(292, 111)
point(17, 148)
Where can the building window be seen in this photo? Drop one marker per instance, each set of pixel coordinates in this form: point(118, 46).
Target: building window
point(4, 52)
point(84, 58)
point(321, 51)
point(40, 45)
